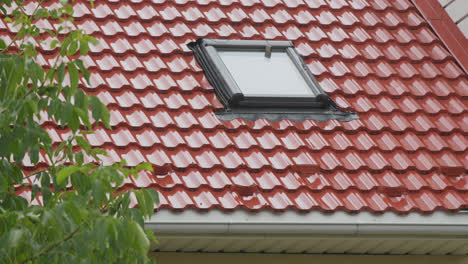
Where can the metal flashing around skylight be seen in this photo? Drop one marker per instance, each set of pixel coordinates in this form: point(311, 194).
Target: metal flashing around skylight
point(246, 100)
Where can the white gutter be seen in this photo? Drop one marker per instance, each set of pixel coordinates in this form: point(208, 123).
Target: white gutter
point(293, 224)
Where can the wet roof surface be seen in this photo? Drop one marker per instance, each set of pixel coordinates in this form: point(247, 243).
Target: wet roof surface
point(407, 152)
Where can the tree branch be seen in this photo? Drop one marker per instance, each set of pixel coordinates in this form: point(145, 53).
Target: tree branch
point(52, 246)
point(30, 17)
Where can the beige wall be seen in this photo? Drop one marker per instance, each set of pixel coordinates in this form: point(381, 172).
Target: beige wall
point(226, 258)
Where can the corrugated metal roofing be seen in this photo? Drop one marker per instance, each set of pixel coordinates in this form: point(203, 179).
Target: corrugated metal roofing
point(407, 152)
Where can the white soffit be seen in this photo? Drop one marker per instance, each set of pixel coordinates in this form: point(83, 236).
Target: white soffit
point(315, 232)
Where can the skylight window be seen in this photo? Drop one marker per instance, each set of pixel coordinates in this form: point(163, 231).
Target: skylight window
point(257, 75)
point(263, 79)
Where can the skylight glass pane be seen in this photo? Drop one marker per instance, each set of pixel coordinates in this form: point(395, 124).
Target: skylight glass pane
point(257, 75)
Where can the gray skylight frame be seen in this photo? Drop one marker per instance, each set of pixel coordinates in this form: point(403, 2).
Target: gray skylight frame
point(234, 95)
point(318, 106)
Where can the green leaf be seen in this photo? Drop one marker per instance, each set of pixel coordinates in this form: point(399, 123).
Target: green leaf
point(81, 100)
point(142, 241)
point(126, 201)
point(2, 44)
point(60, 73)
point(74, 77)
point(65, 45)
point(68, 9)
point(74, 122)
point(87, 132)
point(92, 40)
point(105, 116)
point(141, 201)
point(34, 154)
point(154, 195)
point(79, 157)
point(50, 75)
point(151, 236)
point(52, 33)
point(81, 182)
point(95, 107)
point(41, 13)
point(84, 47)
point(44, 101)
point(31, 106)
point(64, 173)
point(67, 112)
point(35, 191)
point(46, 194)
point(84, 117)
point(45, 179)
point(83, 143)
point(14, 237)
point(98, 151)
point(149, 202)
point(83, 70)
point(99, 194)
point(53, 109)
point(73, 48)
point(54, 43)
point(144, 166)
point(146, 200)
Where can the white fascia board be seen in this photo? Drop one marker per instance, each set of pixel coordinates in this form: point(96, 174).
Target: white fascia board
point(294, 224)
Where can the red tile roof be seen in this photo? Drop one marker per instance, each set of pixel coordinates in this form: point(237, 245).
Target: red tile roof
point(380, 58)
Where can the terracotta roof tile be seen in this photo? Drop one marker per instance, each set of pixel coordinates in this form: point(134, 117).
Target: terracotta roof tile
point(407, 151)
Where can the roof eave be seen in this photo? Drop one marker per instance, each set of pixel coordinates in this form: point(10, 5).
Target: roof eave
point(215, 227)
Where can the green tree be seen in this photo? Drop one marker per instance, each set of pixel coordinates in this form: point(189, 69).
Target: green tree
point(82, 216)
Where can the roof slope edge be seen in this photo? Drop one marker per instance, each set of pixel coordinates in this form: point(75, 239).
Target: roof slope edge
point(446, 29)
point(439, 224)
